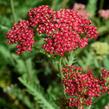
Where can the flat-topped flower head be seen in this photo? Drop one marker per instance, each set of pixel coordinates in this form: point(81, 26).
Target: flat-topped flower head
point(65, 30)
point(39, 15)
point(81, 87)
point(21, 34)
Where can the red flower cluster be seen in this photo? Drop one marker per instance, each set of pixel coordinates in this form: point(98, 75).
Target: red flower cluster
point(81, 87)
point(23, 35)
point(40, 15)
point(65, 30)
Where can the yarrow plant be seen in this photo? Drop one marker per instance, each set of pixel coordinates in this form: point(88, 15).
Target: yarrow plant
point(22, 34)
point(81, 87)
point(65, 30)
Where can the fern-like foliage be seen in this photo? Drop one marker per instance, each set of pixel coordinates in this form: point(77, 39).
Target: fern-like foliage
point(20, 95)
point(38, 96)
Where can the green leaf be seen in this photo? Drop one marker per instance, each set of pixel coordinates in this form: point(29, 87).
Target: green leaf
point(41, 100)
point(91, 7)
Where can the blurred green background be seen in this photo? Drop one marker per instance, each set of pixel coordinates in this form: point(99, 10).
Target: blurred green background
point(42, 87)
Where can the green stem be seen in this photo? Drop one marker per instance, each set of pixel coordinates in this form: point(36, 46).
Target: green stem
point(89, 107)
point(61, 74)
point(60, 65)
point(101, 4)
point(13, 10)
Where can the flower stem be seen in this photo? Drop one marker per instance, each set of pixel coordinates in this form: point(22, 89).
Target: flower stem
point(101, 4)
point(89, 107)
point(13, 10)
